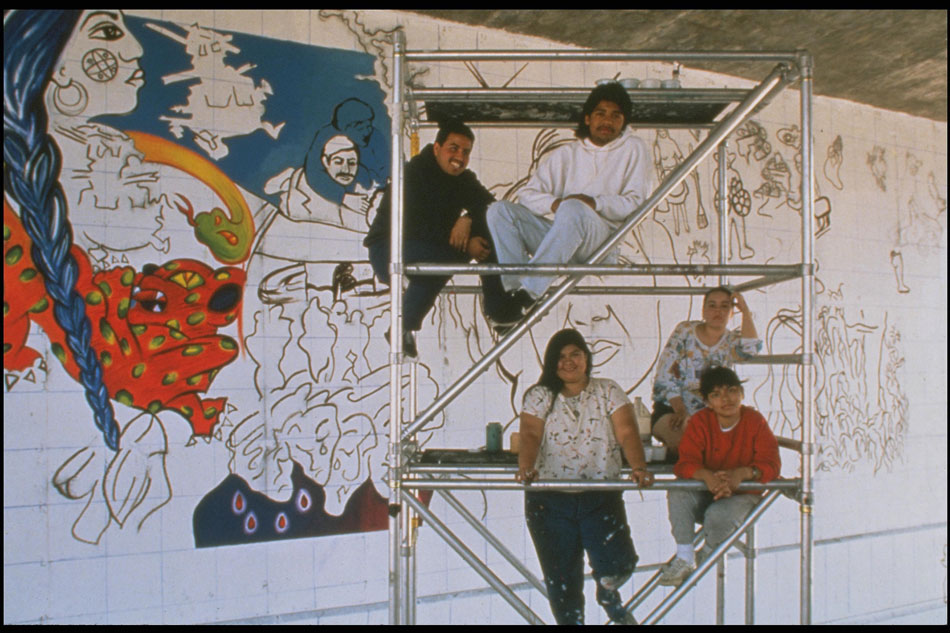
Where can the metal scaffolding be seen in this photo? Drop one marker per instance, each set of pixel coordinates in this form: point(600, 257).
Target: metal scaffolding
point(717, 110)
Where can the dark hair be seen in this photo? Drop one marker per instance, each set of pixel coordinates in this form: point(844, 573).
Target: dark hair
point(32, 43)
point(552, 354)
point(613, 92)
point(717, 376)
point(453, 126)
point(351, 109)
point(724, 289)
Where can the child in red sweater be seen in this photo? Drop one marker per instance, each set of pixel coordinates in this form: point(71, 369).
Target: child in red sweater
point(724, 444)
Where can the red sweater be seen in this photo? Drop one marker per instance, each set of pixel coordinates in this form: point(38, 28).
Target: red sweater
point(748, 443)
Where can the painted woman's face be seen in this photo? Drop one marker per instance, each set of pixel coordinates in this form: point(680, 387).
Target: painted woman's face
point(98, 71)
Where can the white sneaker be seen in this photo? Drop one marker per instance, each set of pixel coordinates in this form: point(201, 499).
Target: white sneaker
point(675, 572)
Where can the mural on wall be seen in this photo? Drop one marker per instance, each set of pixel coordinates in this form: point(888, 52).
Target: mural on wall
point(921, 218)
point(207, 275)
point(232, 100)
point(861, 408)
point(184, 197)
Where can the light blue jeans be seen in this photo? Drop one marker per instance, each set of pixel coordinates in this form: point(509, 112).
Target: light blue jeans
point(522, 237)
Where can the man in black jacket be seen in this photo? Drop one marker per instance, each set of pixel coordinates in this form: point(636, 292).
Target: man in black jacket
point(444, 222)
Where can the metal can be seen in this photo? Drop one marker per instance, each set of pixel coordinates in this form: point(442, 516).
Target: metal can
point(493, 437)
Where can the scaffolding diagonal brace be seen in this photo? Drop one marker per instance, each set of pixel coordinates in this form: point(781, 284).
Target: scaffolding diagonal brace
point(670, 601)
point(493, 541)
point(481, 568)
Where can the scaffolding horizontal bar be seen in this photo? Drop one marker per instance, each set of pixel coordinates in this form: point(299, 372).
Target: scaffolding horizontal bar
point(579, 485)
point(773, 359)
point(453, 469)
point(638, 125)
point(651, 270)
point(601, 56)
point(575, 95)
point(597, 290)
point(623, 290)
point(754, 284)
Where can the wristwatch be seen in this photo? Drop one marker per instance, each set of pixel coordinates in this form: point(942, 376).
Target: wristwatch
point(756, 473)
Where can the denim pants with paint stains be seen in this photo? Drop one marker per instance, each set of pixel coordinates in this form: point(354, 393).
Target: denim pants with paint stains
point(563, 526)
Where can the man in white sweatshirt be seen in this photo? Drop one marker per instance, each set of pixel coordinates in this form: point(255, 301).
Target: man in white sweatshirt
point(589, 186)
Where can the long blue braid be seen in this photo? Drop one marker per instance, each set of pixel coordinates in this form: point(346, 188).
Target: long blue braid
point(32, 43)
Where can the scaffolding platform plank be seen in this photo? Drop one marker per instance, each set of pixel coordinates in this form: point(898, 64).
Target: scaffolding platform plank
point(462, 457)
point(682, 107)
point(478, 457)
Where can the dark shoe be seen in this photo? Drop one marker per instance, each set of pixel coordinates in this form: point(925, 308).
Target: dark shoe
point(505, 319)
point(626, 618)
point(534, 304)
point(523, 299)
point(408, 343)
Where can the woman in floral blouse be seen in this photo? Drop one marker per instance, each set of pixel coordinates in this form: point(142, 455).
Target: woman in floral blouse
point(576, 427)
point(693, 347)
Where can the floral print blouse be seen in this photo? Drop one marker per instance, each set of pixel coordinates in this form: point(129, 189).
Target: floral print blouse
point(578, 440)
point(685, 357)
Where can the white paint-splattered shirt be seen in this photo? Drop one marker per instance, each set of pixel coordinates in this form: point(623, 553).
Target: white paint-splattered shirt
point(685, 358)
point(578, 440)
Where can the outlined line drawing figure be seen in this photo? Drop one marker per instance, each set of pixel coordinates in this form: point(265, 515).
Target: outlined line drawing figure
point(666, 156)
point(833, 161)
point(861, 406)
point(739, 204)
point(877, 163)
point(897, 263)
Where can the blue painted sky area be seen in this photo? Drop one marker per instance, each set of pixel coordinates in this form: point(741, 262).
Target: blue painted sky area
point(307, 82)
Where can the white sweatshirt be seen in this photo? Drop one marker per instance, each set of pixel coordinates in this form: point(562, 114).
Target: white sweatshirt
point(617, 176)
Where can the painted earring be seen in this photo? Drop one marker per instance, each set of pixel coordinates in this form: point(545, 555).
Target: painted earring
point(66, 106)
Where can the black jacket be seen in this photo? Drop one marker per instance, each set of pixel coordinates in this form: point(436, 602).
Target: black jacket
point(434, 201)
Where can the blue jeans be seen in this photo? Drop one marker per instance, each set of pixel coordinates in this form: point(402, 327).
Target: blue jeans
point(423, 290)
point(522, 237)
point(563, 525)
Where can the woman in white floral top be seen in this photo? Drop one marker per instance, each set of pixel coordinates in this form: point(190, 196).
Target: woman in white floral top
point(693, 347)
point(576, 427)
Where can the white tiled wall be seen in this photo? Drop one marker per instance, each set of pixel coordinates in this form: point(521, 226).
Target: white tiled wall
point(880, 513)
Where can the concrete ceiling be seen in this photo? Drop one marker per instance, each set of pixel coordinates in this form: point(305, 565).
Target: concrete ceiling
point(889, 59)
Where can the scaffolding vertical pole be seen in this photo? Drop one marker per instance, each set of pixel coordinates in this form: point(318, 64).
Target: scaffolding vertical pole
point(411, 523)
point(721, 591)
point(808, 345)
point(750, 575)
point(395, 338)
point(722, 208)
